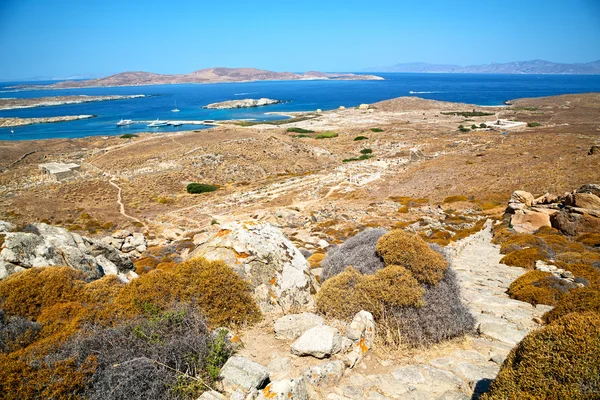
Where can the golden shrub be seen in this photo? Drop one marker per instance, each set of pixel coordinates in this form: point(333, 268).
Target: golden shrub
point(145, 264)
point(586, 257)
point(454, 199)
point(224, 298)
point(345, 294)
point(547, 230)
point(520, 241)
point(28, 292)
point(537, 287)
point(559, 361)
point(410, 251)
point(525, 258)
point(315, 260)
point(589, 239)
point(576, 301)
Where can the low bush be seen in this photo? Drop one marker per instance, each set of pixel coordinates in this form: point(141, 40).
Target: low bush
point(537, 287)
point(403, 210)
point(361, 138)
point(350, 159)
point(224, 298)
point(589, 239)
point(326, 135)
point(473, 126)
point(454, 199)
point(365, 157)
point(376, 130)
point(194, 188)
point(357, 252)
point(128, 136)
point(533, 124)
point(16, 332)
point(577, 301)
point(559, 361)
point(401, 248)
point(522, 241)
point(525, 258)
point(366, 151)
point(482, 125)
point(299, 130)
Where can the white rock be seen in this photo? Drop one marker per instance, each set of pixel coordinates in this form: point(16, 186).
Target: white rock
point(320, 341)
point(362, 332)
point(279, 367)
point(325, 374)
point(239, 372)
point(212, 395)
point(6, 226)
point(285, 389)
point(292, 326)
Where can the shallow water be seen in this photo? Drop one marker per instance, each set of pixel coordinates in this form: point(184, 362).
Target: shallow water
point(488, 90)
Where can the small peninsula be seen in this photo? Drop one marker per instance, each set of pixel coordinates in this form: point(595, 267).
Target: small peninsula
point(243, 103)
point(209, 75)
point(13, 103)
point(8, 122)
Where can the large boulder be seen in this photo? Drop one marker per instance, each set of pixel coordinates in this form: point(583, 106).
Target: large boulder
point(320, 342)
point(583, 200)
point(528, 221)
point(241, 373)
point(574, 221)
point(292, 326)
point(43, 245)
point(520, 200)
point(259, 252)
point(592, 188)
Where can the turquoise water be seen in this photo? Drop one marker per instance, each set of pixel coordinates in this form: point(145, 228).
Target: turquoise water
point(301, 96)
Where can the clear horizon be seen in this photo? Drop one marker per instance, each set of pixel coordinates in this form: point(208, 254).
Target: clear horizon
point(62, 39)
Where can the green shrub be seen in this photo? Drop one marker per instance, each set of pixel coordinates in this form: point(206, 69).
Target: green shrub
point(194, 188)
point(464, 129)
point(360, 138)
point(128, 136)
point(401, 248)
point(559, 361)
point(350, 159)
point(299, 130)
point(365, 157)
point(473, 126)
point(376, 130)
point(533, 124)
point(482, 125)
point(326, 135)
point(366, 151)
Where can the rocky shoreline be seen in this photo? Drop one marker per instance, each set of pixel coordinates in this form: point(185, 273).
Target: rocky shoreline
point(8, 122)
point(13, 103)
point(243, 103)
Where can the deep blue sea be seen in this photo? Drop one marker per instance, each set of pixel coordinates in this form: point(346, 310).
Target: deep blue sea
point(485, 90)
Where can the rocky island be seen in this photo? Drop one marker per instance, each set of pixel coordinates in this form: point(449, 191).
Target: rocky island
point(209, 75)
point(243, 103)
point(12, 103)
point(7, 122)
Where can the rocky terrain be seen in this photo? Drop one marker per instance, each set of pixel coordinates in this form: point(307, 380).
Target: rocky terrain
point(14, 103)
point(15, 121)
point(209, 75)
point(243, 103)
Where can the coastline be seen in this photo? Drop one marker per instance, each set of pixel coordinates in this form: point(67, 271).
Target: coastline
point(34, 102)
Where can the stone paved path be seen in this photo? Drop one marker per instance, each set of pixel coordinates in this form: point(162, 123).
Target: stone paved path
point(461, 370)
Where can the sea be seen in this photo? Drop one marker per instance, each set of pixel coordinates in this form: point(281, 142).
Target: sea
point(159, 100)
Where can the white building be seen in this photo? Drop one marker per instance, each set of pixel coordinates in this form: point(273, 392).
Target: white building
point(59, 171)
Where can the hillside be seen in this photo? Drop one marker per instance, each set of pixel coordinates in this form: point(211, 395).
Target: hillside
point(515, 67)
point(208, 75)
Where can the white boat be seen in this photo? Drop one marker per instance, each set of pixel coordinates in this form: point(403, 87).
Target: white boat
point(178, 123)
point(158, 123)
point(124, 122)
point(175, 109)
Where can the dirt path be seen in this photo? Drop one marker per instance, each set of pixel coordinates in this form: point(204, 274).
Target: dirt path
point(122, 206)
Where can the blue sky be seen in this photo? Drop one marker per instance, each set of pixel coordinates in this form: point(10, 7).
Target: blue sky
point(62, 38)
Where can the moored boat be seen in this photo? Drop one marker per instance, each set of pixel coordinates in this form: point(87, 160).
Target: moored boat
point(124, 122)
point(158, 123)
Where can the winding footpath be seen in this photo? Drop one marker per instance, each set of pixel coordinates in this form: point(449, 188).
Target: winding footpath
point(122, 206)
point(457, 370)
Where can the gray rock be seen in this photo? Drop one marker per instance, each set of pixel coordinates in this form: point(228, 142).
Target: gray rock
point(239, 372)
point(453, 395)
point(362, 332)
point(46, 245)
point(410, 374)
point(6, 226)
point(212, 395)
point(292, 326)
point(279, 367)
point(320, 341)
point(238, 395)
point(285, 389)
point(502, 332)
point(328, 373)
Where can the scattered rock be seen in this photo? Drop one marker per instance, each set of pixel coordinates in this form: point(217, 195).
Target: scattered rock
point(325, 374)
point(363, 107)
point(595, 149)
point(285, 389)
point(519, 200)
point(574, 222)
point(408, 375)
point(592, 188)
point(132, 243)
point(583, 200)
point(261, 254)
point(362, 333)
point(320, 342)
point(292, 326)
point(239, 372)
point(212, 395)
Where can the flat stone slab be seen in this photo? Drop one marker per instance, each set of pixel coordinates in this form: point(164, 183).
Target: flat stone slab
point(320, 342)
point(243, 373)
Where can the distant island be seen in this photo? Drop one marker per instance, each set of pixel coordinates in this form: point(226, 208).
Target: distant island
point(515, 67)
point(243, 103)
point(209, 75)
point(17, 103)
